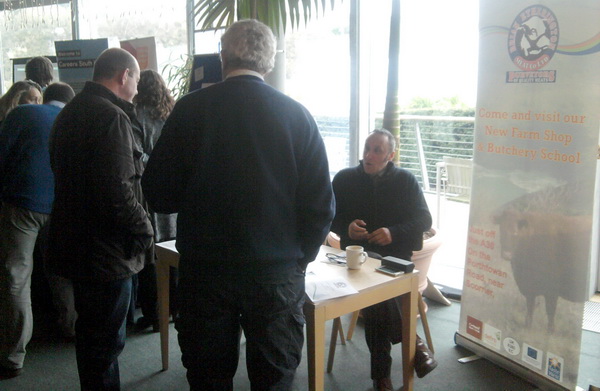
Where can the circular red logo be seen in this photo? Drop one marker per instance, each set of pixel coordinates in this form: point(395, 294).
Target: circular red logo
point(533, 38)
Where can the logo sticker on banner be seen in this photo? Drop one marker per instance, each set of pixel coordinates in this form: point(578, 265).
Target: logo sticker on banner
point(555, 365)
point(532, 356)
point(532, 41)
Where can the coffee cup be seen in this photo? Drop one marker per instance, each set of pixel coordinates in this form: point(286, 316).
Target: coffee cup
point(355, 257)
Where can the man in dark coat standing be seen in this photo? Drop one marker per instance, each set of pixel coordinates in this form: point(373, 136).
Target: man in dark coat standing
point(98, 227)
point(245, 167)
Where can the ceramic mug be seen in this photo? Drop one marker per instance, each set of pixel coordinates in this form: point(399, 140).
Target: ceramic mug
point(355, 257)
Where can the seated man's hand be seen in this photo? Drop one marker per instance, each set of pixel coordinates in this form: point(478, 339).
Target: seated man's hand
point(357, 230)
point(380, 237)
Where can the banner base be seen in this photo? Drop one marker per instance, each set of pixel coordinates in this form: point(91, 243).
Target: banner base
point(535, 378)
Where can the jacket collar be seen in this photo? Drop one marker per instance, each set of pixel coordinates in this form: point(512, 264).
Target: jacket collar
point(244, 72)
point(128, 107)
point(100, 90)
point(388, 168)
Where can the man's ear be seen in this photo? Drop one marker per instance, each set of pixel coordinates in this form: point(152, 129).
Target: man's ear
point(122, 76)
point(391, 155)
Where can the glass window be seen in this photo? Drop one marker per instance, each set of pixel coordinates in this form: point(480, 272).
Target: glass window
point(164, 20)
point(318, 76)
point(29, 32)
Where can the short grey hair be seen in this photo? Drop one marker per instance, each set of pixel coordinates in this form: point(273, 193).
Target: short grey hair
point(249, 44)
point(390, 137)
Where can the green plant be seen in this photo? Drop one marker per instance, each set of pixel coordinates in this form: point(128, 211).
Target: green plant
point(213, 14)
point(179, 77)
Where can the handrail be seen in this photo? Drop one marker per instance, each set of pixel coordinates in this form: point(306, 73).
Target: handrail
point(438, 118)
point(440, 136)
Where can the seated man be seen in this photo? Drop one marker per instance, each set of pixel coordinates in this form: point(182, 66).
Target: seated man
point(382, 208)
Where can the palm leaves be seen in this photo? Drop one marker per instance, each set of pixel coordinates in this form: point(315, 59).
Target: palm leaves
point(213, 14)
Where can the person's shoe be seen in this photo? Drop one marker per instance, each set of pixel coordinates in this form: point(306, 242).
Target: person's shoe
point(424, 361)
point(384, 384)
point(144, 322)
point(9, 373)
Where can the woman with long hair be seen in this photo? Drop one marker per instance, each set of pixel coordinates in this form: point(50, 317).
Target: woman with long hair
point(153, 104)
point(20, 93)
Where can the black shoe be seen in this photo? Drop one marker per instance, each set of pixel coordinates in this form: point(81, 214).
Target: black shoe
point(424, 361)
point(144, 322)
point(9, 373)
point(384, 384)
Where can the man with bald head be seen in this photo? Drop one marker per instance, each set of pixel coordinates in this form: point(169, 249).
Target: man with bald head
point(98, 227)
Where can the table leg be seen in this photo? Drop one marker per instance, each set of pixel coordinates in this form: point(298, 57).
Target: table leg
point(409, 334)
point(315, 347)
point(162, 281)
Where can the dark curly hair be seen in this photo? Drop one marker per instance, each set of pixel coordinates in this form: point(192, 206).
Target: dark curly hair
point(154, 94)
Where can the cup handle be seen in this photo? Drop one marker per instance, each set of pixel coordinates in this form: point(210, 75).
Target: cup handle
point(364, 257)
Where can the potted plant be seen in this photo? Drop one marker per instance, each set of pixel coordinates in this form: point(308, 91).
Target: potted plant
point(215, 14)
point(274, 13)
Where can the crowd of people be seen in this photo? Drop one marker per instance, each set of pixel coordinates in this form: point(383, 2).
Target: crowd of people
point(237, 172)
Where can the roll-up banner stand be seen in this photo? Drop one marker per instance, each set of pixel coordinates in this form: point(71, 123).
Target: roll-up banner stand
point(535, 153)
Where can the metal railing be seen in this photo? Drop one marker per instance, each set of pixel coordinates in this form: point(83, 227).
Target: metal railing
point(440, 136)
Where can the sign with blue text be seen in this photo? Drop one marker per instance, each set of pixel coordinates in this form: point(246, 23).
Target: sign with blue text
point(76, 60)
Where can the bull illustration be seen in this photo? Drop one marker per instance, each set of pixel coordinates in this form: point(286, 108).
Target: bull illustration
point(540, 244)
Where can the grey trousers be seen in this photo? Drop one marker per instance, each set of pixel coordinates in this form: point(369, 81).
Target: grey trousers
point(19, 230)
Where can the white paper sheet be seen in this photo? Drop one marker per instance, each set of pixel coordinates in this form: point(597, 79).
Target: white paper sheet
point(321, 287)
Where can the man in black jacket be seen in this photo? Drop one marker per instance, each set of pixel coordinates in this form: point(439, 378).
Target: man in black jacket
point(382, 208)
point(98, 227)
point(245, 167)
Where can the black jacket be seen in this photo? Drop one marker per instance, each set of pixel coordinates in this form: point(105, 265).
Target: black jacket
point(97, 226)
point(246, 169)
point(394, 201)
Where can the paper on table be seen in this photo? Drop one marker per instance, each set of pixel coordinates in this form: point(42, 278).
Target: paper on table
point(321, 287)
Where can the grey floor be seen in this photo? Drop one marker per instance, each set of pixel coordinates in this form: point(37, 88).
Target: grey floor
point(50, 365)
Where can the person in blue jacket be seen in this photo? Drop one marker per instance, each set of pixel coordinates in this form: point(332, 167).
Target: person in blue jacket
point(27, 193)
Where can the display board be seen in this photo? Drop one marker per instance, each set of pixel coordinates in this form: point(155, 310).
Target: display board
point(206, 70)
point(144, 50)
point(76, 60)
point(535, 154)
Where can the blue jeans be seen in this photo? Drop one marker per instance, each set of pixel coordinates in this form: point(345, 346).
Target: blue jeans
point(100, 331)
